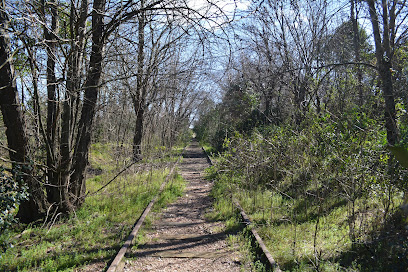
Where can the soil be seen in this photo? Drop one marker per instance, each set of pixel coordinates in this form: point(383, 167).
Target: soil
point(181, 238)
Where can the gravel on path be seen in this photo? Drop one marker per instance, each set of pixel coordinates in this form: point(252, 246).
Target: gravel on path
point(182, 239)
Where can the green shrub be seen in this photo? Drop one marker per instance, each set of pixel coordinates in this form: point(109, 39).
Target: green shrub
point(327, 186)
point(11, 194)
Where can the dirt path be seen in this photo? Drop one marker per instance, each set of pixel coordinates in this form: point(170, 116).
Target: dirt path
point(181, 238)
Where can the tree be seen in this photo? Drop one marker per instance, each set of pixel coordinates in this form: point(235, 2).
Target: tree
point(15, 123)
point(75, 48)
point(384, 50)
point(50, 39)
point(357, 48)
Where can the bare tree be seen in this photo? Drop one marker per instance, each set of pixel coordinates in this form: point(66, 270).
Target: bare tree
point(75, 60)
point(15, 123)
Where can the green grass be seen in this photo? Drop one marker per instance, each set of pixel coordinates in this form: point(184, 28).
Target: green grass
point(174, 188)
point(300, 235)
point(238, 234)
point(211, 151)
point(102, 157)
point(96, 231)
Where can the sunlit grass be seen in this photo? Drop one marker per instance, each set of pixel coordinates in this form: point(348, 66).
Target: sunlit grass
point(96, 231)
point(301, 234)
point(305, 239)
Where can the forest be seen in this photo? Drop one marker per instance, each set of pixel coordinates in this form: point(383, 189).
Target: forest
point(302, 105)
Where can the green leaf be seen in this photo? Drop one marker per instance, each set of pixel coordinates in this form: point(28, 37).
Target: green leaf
point(401, 154)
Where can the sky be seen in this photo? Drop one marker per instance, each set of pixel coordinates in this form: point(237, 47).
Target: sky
point(220, 11)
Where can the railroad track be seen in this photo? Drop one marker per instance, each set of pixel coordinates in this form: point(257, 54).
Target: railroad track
point(117, 263)
point(267, 259)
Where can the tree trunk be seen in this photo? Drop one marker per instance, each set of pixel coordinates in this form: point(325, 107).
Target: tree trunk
point(50, 41)
point(356, 43)
point(14, 122)
point(300, 109)
point(80, 158)
point(139, 100)
point(388, 93)
point(137, 138)
point(73, 85)
point(383, 54)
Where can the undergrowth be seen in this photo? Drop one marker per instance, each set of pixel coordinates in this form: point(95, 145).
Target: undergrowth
point(297, 239)
point(239, 236)
point(324, 198)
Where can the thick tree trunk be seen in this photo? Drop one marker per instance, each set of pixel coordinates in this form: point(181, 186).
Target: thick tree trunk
point(388, 94)
point(85, 126)
point(17, 140)
point(73, 86)
point(383, 54)
point(50, 41)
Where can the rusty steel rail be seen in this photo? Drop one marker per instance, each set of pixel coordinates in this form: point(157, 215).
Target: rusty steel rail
point(271, 262)
point(207, 156)
point(116, 263)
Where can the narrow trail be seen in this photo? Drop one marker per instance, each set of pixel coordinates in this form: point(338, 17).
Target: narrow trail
point(182, 239)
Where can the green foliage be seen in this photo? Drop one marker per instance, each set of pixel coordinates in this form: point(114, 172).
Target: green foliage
point(173, 190)
point(401, 154)
point(311, 186)
point(206, 127)
point(238, 112)
point(341, 43)
point(11, 194)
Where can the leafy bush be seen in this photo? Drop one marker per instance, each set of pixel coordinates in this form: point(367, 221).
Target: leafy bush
point(11, 194)
point(329, 173)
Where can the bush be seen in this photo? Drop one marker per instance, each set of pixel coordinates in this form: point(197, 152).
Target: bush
point(11, 194)
point(332, 178)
